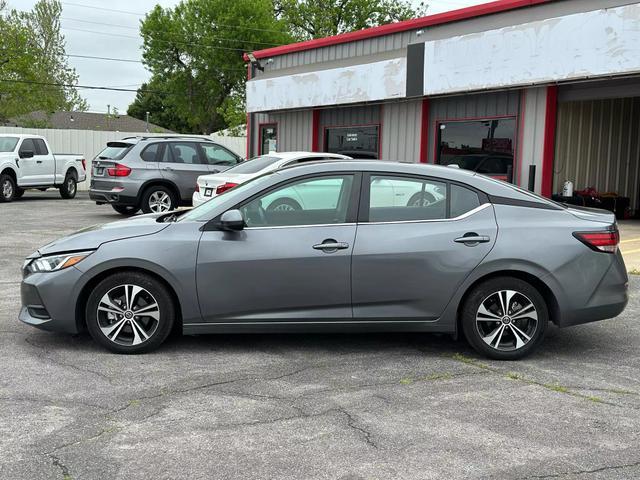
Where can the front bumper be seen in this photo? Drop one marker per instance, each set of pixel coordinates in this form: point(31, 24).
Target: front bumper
point(49, 300)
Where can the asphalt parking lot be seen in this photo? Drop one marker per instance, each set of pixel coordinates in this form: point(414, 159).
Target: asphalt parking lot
point(305, 406)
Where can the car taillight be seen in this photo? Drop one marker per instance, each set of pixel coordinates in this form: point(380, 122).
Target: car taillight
point(84, 164)
point(606, 241)
point(224, 187)
point(118, 171)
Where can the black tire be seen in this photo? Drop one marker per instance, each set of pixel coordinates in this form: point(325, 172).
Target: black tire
point(485, 295)
point(124, 339)
point(287, 204)
point(421, 199)
point(126, 210)
point(69, 188)
point(8, 188)
point(19, 193)
point(157, 191)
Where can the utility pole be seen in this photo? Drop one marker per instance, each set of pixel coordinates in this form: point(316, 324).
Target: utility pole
point(147, 121)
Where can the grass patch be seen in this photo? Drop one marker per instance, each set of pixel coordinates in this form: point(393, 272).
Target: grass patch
point(634, 271)
point(469, 361)
point(406, 381)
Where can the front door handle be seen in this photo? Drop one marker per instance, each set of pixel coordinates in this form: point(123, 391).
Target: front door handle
point(167, 168)
point(38, 161)
point(472, 239)
point(331, 245)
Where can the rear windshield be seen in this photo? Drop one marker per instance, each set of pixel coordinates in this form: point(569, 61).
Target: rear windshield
point(254, 165)
point(7, 144)
point(114, 151)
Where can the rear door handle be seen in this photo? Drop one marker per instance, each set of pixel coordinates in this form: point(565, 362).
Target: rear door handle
point(472, 239)
point(331, 246)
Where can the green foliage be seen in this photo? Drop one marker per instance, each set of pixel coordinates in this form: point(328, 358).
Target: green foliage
point(194, 52)
point(321, 18)
point(32, 52)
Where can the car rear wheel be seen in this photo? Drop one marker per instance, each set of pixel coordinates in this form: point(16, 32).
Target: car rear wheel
point(421, 199)
point(504, 318)
point(69, 188)
point(126, 210)
point(158, 199)
point(7, 188)
point(130, 312)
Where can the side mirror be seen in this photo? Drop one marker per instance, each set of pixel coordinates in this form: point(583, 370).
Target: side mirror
point(26, 154)
point(232, 220)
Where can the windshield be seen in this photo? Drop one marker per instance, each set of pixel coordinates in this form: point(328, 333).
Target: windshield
point(203, 212)
point(254, 165)
point(7, 144)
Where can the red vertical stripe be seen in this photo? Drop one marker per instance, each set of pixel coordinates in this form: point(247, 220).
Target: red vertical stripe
point(548, 150)
point(424, 131)
point(315, 130)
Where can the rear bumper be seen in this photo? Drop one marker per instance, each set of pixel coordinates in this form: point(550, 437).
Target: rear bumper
point(198, 199)
point(114, 198)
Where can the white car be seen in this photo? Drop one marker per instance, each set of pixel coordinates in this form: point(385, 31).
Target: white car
point(208, 186)
point(26, 161)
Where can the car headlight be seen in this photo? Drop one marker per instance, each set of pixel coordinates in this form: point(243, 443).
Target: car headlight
point(52, 263)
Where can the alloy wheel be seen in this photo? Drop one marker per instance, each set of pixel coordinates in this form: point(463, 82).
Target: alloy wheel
point(128, 315)
point(507, 320)
point(159, 202)
point(283, 207)
point(7, 189)
point(71, 186)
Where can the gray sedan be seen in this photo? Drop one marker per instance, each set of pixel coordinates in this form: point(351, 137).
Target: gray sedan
point(485, 258)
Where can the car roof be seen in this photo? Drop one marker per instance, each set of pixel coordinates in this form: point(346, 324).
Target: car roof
point(20, 135)
point(166, 138)
point(302, 154)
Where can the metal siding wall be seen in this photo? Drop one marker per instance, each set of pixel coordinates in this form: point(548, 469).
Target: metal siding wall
point(532, 135)
point(294, 130)
point(461, 107)
point(598, 145)
point(401, 126)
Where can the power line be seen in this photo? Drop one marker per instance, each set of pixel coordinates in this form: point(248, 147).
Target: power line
point(87, 87)
point(136, 28)
point(242, 27)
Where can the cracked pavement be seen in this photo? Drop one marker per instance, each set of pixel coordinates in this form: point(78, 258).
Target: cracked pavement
point(305, 406)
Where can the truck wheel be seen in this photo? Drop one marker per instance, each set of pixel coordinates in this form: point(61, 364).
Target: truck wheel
point(7, 188)
point(19, 192)
point(70, 186)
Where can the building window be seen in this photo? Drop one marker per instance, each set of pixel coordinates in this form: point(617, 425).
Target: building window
point(484, 146)
point(356, 142)
point(268, 138)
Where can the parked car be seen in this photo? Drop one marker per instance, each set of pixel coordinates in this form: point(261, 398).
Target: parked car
point(26, 162)
point(489, 258)
point(155, 174)
point(208, 186)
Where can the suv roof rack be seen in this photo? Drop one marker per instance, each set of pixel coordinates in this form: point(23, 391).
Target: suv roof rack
point(165, 137)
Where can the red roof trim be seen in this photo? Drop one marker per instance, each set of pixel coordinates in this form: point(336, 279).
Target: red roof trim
point(415, 23)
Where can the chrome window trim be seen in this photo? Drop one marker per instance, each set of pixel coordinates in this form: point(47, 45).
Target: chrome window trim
point(437, 220)
point(275, 227)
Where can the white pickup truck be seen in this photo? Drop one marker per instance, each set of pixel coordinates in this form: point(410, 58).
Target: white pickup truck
point(26, 162)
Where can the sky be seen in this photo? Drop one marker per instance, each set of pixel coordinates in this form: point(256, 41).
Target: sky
point(93, 27)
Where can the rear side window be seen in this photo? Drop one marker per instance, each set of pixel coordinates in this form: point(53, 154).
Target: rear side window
point(28, 146)
point(41, 147)
point(397, 199)
point(184, 152)
point(463, 200)
point(150, 152)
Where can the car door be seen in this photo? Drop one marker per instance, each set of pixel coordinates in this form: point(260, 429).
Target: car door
point(409, 259)
point(46, 162)
point(182, 165)
point(30, 164)
point(286, 265)
point(217, 157)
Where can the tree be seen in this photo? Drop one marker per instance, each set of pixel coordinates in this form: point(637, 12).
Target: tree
point(322, 18)
point(33, 66)
point(195, 54)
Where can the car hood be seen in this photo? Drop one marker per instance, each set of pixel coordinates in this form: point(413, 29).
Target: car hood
point(92, 237)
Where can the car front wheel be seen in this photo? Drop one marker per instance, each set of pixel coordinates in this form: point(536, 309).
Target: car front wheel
point(504, 318)
point(7, 188)
point(130, 312)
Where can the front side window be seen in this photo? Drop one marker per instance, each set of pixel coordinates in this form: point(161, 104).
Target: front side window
point(28, 146)
point(217, 155)
point(483, 146)
point(393, 199)
point(184, 152)
point(313, 201)
point(8, 144)
point(356, 142)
